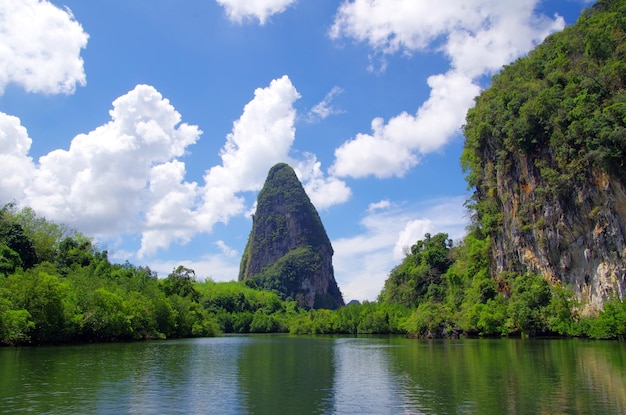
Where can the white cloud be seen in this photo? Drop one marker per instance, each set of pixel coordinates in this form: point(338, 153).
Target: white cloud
point(390, 26)
point(16, 167)
point(394, 148)
point(362, 263)
point(240, 10)
point(383, 204)
point(477, 36)
point(412, 232)
point(170, 216)
point(110, 177)
point(260, 138)
point(226, 250)
point(40, 47)
point(324, 192)
point(125, 177)
point(122, 177)
point(324, 108)
point(364, 155)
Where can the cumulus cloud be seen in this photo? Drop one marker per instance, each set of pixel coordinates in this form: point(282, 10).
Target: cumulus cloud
point(393, 148)
point(260, 138)
point(40, 47)
point(324, 108)
point(324, 192)
point(170, 215)
point(477, 36)
point(16, 167)
point(110, 176)
point(362, 262)
point(413, 230)
point(240, 10)
point(126, 177)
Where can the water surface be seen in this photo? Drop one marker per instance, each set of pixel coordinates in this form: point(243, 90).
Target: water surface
point(317, 375)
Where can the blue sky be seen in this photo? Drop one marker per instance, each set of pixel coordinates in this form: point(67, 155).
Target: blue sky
point(151, 126)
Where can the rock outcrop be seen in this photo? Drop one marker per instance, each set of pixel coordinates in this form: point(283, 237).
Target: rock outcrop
point(288, 250)
point(578, 238)
point(545, 150)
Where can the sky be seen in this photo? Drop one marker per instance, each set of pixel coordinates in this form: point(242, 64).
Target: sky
point(151, 126)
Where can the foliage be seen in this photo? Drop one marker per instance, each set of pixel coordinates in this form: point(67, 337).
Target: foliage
point(365, 318)
point(238, 308)
point(282, 189)
point(418, 277)
point(288, 249)
point(16, 247)
point(285, 275)
point(466, 300)
point(563, 107)
point(181, 282)
point(68, 291)
point(80, 296)
point(611, 321)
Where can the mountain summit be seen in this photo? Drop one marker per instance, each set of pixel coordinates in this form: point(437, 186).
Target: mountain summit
point(288, 250)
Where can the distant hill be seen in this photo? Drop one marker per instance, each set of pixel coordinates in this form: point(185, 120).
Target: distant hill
point(288, 250)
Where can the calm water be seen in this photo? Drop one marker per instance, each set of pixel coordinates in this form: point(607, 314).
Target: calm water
point(317, 375)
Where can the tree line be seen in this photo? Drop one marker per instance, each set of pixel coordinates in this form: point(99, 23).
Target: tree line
point(56, 286)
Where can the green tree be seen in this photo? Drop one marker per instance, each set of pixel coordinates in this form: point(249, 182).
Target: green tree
point(530, 297)
point(39, 292)
point(181, 282)
point(418, 277)
point(10, 260)
point(106, 319)
point(15, 324)
point(44, 234)
point(611, 321)
point(13, 236)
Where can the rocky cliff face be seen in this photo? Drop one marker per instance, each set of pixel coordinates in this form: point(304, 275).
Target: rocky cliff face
point(578, 237)
point(545, 150)
point(288, 249)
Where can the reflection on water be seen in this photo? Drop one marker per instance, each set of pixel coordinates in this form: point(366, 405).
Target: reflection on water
point(286, 375)
point(363, 383)
point(317, 375)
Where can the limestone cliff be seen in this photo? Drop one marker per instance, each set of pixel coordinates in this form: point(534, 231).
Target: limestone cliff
point(545, 150)
point(288, 249)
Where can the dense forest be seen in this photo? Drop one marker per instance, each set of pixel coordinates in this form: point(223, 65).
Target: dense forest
point(57, 286)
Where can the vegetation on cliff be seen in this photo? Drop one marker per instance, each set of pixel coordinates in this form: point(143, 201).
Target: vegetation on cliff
point(545, 149)
point(288, 250)
point(450, 292)
point(565, 102)
point(544, 152)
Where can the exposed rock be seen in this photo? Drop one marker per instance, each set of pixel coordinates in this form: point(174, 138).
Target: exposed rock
point(545, 151)
point(578, 238)
point(288, 249)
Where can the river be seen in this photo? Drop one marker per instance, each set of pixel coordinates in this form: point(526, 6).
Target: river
point(281, 374)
